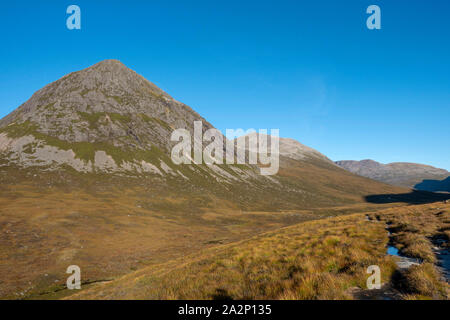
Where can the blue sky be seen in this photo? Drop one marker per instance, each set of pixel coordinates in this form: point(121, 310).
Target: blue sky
point(310, 68)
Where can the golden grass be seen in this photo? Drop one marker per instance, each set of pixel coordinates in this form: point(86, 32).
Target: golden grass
point(320, 259)
point(423, 282)
point(413, 228)
point(110, 232)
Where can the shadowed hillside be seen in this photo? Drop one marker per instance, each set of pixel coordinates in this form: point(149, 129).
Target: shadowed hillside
point(413, 197)
point(434, 185)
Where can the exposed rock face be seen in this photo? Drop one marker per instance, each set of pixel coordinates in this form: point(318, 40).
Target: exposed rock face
point(104, 162)
point(398, 173)
point(28, 151)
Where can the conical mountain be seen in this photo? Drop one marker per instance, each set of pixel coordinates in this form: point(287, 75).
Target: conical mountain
point(107, 108)
point(107, 102)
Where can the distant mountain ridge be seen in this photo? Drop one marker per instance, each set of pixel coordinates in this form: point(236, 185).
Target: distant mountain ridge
point(398, 173)
point(293, 149)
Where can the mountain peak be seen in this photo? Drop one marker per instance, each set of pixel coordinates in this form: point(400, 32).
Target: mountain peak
point(109, 62)
point(293, 149)
point(110, 65)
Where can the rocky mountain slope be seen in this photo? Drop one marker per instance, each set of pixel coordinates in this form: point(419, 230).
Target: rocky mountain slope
point(397, 173)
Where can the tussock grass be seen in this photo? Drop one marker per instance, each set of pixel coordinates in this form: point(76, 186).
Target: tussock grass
point(414, 229)
point(422, 282)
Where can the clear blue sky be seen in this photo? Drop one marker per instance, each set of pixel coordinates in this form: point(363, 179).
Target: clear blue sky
point(310, 68)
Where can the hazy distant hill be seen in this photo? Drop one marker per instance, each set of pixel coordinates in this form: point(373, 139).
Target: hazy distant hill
point(397, 173)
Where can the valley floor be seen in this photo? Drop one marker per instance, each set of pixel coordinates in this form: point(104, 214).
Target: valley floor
point(136, 242)
point(321, 259)
point(112, 231)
